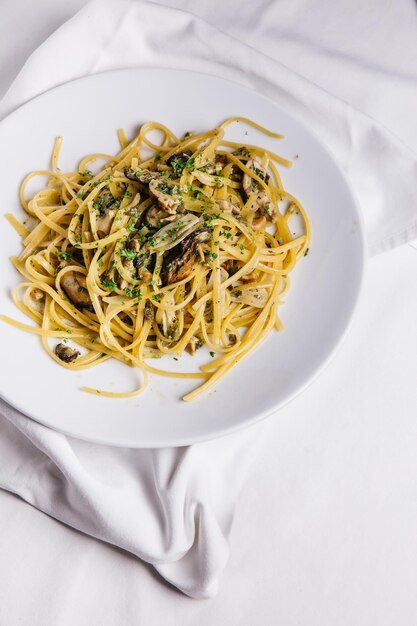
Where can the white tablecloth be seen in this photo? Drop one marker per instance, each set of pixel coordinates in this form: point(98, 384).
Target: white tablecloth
point(325, 530)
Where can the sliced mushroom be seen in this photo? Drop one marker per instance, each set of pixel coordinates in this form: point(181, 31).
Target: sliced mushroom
point(106, 204)
point(248, 183)
point(259, 222)
point(180, 260)
point(250, 278)
point(170, 326)
point(140, 263)
point(236, 174)
point(38, 295)
point(263, 201)
point(104, 200)
point(66, 353)
point(134, 245)
point(179, 160)
point(166, 195)
point(194, 344)
point(227, 206)
point(142, 176)
point(231, 266)
point(144, 275)
point(149, 312)
point(132, 263)
point(75, 286)
point(221, 158)
point(154, 217)
point(242, 152)
point(232, 339)
point(266, 205)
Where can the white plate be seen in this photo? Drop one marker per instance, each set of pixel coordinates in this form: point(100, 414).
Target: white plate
point(318, 308)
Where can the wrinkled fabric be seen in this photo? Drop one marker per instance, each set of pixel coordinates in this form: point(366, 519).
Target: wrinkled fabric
point(174, 507)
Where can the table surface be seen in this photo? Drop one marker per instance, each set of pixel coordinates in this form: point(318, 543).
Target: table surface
point(325, 528)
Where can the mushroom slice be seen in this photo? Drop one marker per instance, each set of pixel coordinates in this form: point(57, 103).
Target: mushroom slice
point(66, 353)
point(228, 207)
point(75, 286)
point(139, 263)
point(248, 183)
point(179, 262)
point(250, 278)
point(254, 296)
point(242, 152)
point(154, 217)
point(221, 158)
point(149, 311)
point(180, 161)
point(106, 204)
point(193, 345)
point(142, 176)
point(166, 195)
point(258, 222)
point(104, 200)
point(250, 186)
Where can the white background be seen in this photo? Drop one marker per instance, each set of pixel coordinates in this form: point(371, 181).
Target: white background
point(325, 530)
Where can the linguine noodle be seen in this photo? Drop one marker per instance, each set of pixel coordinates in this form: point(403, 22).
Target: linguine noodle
point(174, 244)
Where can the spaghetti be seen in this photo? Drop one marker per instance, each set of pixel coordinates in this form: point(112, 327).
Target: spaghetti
point(174, 244)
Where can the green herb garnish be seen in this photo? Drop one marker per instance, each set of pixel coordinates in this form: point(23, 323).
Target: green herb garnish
point(109, 284)
point(128, 254)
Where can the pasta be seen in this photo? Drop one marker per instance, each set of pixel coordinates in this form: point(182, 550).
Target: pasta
point(173, 244)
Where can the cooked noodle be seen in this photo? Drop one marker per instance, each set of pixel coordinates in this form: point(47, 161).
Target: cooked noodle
point(172, 245)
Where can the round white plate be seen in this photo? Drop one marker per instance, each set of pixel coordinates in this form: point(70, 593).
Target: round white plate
point(318, 308)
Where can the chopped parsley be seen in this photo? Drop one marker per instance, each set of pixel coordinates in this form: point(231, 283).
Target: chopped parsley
point(128, 254)
point(134, 293)
point(64, 255)
point(109, 284)
point(178, 164)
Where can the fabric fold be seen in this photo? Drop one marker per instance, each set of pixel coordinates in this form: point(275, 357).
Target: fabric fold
point(173, 508)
